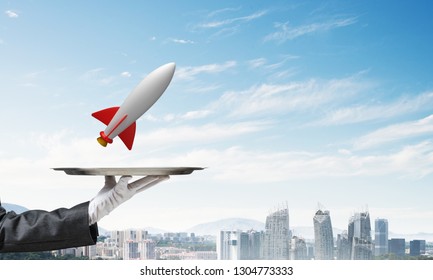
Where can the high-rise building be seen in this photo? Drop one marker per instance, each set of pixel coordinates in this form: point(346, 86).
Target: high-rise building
point(343, 246)
point(276, 243)
point(323, 237)
point(227, 245)
point(250, 242)
point(130, 250)
point(139, 250)
point(239, 245)
point(132, 244)
point(397, 246)
point(298, 250)
point(422, 247)
point(118, 236)
point(380, 237)
point(135, 234)
point(417, 247)
point(147, 249)
point(359, 233)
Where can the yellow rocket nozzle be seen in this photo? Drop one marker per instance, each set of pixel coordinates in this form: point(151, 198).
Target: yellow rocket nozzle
point(102, 142)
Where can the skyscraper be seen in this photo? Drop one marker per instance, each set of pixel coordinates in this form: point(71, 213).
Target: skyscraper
point(323, 237)
point(343, 246)
point(359, 233)
point(277, 236)
point(239, 245)
point(380, 237)
point(298, 249)
point(228, 245)
point(250, 242)
point(397, 246)
point(416, 247)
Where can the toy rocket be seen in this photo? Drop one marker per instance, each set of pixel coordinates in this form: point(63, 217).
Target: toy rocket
point(120, 121)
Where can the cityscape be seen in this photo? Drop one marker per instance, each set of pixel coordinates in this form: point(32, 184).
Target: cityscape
point(276, 242)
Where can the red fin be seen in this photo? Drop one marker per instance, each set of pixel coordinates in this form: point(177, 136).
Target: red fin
point(127, 136)
point(106, 115)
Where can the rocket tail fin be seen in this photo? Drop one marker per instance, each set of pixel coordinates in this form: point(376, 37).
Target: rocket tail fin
point(106, 115)
point(127, 136)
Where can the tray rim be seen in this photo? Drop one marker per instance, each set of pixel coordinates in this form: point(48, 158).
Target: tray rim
point(133, 171)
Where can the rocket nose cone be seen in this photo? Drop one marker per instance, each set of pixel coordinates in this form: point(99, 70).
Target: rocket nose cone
point(171, 65)
point(169, 68)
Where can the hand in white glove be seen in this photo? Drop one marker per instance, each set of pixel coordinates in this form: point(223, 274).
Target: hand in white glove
point(113, 194)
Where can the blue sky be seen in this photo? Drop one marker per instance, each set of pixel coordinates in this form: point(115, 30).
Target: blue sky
point(321, 102)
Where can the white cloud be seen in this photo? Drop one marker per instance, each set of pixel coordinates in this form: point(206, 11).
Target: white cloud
point(189, 73)
point(414, 160)
point(65, 149)
point(271, 99)
point(148, 116)
point(170, 117)
point(228, 26)
point(233, 164)
point(272, 67)
point(11, 14)
point(201, 89)
point(225, 32)
point(209, 133)
point(224, 10)
point(92, 73)
point(191, 146)
point(181, 41)
point(196, 114)
point(362, 113)
point(285, 32)
point(126, 74)
point(395, 133)
point(221, 23)
point(255, 63)
point(191, 115)
point(241, 165)
point(98, 75)
point(280, 63)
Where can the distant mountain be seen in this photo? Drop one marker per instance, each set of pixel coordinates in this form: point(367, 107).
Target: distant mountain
point(14, 207)
point(213, 228)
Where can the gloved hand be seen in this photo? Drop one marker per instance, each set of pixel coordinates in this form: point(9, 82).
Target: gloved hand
point(113, 194)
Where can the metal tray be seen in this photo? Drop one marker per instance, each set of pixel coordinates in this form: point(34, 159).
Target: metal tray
point(133, 171)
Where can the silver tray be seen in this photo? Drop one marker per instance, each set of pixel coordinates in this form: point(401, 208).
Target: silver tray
point(133, 171)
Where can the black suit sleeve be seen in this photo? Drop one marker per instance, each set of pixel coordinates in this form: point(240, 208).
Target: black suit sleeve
point(38, 230)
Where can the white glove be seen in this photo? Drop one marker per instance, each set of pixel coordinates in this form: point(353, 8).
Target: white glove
point(113, 194)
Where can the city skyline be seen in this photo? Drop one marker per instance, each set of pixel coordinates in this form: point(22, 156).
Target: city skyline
point(379, 234)
point(274, 242)
point(302, 225)
point(323, 101)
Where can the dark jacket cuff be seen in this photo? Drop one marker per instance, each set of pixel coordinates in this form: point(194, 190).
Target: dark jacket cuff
point(39, 230)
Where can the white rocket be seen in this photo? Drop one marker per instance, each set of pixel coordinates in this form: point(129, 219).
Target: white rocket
point(120, 121)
